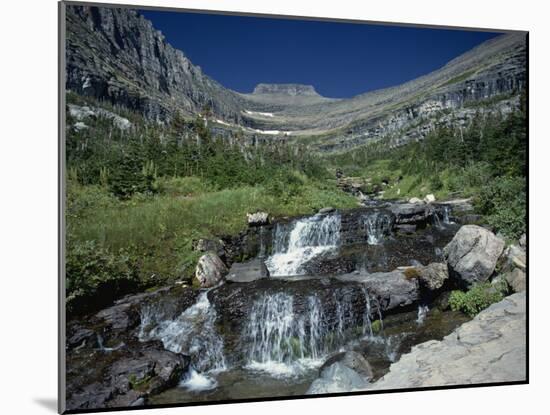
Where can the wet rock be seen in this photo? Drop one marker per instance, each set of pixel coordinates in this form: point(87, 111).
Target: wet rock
point(80, 336)
point(411, 213)
point(252, 270)
point(489, 348)
point(352, 360)
point(326, 210)
point(392, 289)
point(472, 254)
point(257, 219)
point(516, 279)
point(337, 378)
point(210, 270)
point(411, 228)
point(125, 377)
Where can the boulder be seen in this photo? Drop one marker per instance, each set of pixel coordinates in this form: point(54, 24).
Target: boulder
point(337, 378)
point(429, 198)
point(257, 219)
point(210, 270)
point(326, 210)
point(252, 270)
point(352, 360)
point(473, 254)
point(433, 276)
point(415, 200)
point(516, 279)
point(213, 245)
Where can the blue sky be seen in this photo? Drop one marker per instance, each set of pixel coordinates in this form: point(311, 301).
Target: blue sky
point(338, 59)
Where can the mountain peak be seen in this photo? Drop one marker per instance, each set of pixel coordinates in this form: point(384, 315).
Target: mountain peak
point(286, 89)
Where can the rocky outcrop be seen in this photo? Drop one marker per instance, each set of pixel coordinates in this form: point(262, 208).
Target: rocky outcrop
point(490, 348)
point(115, 54)
point(123, 377)
point(412, 213)
point(473, 254)
point(210, 270)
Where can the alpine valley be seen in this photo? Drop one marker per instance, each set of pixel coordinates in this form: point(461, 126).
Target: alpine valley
point(227, 246)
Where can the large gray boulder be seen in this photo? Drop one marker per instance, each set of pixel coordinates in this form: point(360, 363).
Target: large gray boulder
point(210, 270)
point(411, 213)
point(473, 254)
point(490, 348)
point(337, 378)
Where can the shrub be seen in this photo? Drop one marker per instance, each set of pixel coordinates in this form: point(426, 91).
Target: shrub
point(504, 202)
point(95, 276)
point(479, 297)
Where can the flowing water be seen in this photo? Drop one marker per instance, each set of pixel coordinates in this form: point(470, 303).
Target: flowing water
point(309, 238)
point(192, 333)
point(283, 338)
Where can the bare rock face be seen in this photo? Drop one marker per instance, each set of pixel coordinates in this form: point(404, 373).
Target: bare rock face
point(490, 348)
point(210, 270)
point(473, 254)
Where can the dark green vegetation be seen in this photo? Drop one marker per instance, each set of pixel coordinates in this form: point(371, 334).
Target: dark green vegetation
point(485, 160)
point(477, 298)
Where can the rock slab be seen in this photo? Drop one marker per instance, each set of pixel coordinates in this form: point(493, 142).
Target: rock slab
point(490, 348)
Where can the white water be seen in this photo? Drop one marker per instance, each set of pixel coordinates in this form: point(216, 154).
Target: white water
point(422, 312)
point(309, 238)
point(377, 224)
point(192, 333)
point(285, 344)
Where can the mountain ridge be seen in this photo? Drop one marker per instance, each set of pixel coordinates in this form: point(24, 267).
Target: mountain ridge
point(117, 55)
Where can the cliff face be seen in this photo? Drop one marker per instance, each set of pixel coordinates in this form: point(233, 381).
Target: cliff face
point(117, 55)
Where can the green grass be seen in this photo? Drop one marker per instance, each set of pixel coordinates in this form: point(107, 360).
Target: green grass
point(159, 229)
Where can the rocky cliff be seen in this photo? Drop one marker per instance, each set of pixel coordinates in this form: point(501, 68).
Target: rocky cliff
point(117, 55)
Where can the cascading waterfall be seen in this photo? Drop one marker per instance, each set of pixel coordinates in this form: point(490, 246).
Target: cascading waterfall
point(192, 333)
point(442, 216)
point(377, 224)
point(284, 343)
point(308, 238)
